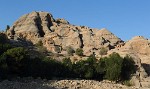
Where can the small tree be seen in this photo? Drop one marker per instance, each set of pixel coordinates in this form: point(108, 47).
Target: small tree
point(14, 58)
point(79, 52)
point(128, 67)
point(103, 51)
point(101, 68)
point(114, 67)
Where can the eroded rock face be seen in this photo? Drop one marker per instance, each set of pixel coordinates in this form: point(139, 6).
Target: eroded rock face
point(139, 46)
point(54, 33)
point(32, 26)
point(59, 34)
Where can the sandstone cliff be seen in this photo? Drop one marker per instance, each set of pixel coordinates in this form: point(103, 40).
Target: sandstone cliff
point(58, 33)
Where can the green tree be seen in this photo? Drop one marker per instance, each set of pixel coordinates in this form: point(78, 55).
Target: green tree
point(128, 67)
point(67, 62)
point(114, 67)
point(68, 67)
point(13, 58)
point(101, 68)
point(90, 65)
point(79, 52)
point(85, 68)
point(79, 68)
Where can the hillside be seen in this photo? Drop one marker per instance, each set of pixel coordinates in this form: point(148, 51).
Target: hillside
point(57, 35)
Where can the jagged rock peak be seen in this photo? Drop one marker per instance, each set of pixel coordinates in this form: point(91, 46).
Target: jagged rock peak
point(33, 16)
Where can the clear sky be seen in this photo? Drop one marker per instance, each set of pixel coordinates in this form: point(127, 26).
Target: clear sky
point(124, 18)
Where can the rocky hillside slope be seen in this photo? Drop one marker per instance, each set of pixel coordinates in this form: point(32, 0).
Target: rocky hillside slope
point(58, 34)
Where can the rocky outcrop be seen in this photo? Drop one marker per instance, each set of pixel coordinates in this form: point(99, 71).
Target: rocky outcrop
point(31, 26)
point(139, 49)
point(59, 34)
point(137, 45)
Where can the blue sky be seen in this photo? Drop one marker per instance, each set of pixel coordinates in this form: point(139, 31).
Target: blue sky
point(124, 18)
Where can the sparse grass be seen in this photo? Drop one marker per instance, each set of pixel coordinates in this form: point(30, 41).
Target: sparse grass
point(127, 83)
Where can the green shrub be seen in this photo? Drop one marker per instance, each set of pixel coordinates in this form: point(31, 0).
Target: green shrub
point(18, 61)
point(103, 51)
point(4, 47)
point(13, 58)
point(3, 38)
point(91, 60)
point(127, 83)
point(40, 43)
point(101, 68)
point(128, 68)
point(67, 62)
point(79, 69)
point(85, 68)
point(68, 67)
point(70, 50)
point(89, 74)
point(79, 52)
point(57, 49)
point(113, 67)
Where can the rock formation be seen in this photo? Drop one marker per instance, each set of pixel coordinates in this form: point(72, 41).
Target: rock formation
point(59, 34)
point(139, 49)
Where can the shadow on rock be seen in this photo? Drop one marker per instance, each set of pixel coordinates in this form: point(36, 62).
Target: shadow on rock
point(147, 68)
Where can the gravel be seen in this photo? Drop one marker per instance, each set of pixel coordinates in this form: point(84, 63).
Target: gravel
point(30, 83)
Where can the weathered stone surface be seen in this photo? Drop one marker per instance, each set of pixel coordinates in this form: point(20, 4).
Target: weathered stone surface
point(37, 26)
point(32, 26)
